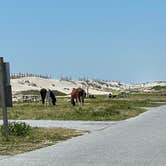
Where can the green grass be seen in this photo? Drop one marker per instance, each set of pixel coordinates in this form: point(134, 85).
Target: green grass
point(38, 138)
point(102, 108)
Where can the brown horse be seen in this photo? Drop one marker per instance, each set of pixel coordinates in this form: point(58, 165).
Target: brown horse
point(78, 94)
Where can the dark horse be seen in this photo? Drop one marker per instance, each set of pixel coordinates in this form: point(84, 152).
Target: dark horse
point(78, 94)
point(44, 93)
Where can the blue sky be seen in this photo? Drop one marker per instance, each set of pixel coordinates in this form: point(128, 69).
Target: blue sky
point(122, 40)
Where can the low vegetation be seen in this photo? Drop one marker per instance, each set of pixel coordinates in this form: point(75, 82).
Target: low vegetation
point(101, 108)
point(23, 138)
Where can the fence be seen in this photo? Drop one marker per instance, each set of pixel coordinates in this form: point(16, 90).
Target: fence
point(21, 75)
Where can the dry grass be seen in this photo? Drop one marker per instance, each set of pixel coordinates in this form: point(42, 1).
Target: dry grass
point(38, 138)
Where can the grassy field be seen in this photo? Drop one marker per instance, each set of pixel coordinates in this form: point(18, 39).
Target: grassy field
point(38, 138)
point(102, 108)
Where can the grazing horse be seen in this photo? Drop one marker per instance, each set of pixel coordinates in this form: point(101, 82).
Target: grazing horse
point(44, 93)
point(78, 94)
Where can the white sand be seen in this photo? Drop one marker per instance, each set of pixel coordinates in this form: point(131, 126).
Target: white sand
point(95, 87)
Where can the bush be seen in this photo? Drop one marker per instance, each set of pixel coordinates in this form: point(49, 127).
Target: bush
point(19, 129)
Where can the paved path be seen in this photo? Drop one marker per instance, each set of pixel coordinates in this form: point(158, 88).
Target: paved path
point(80, 125)
point(139, 141)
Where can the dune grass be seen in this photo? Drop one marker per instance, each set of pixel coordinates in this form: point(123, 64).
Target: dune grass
point(102, 108)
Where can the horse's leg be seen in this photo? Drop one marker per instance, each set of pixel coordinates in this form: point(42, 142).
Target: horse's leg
point(53, 101)
point(47, 99)
point(73, 102)
point(83, 97)
point(76, 99)
point(43, 98)
point(82, 100)
point(79, 99)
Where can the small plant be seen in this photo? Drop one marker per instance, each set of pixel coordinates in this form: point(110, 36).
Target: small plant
point(19, 129)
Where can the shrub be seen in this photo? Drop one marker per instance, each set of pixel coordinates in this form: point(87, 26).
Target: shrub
point(19, 129)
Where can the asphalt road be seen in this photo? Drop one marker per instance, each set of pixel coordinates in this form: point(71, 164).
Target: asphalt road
point(139, 141)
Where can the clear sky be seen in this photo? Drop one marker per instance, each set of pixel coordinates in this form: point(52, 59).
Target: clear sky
point(122, 40)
